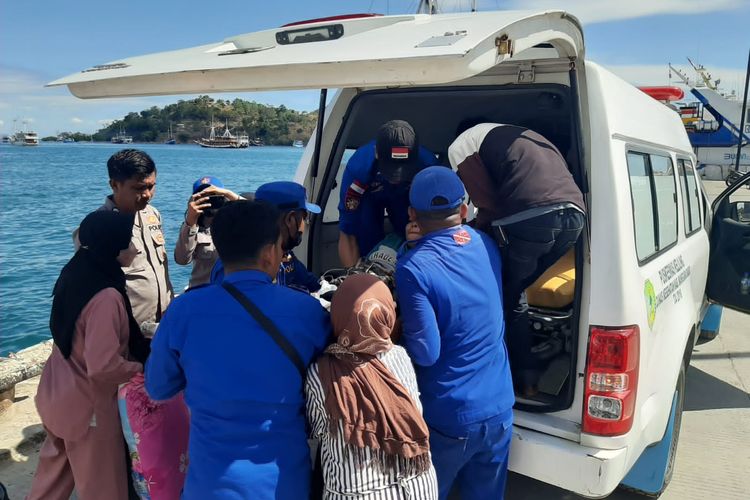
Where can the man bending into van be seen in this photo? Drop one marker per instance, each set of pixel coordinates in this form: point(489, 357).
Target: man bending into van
point(530, 202)
point(450, 291)
point(240, 352)
point(376, 179)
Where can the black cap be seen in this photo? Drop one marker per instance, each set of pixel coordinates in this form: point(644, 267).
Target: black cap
point(397, 147)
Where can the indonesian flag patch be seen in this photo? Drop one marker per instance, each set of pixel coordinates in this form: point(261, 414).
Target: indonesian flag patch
point(399, 153)
point(462, 237)
point(354, 194)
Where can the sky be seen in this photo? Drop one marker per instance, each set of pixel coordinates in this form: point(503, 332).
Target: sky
point(47, 39)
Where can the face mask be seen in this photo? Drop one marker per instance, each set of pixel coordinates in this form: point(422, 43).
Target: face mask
point(292, 241)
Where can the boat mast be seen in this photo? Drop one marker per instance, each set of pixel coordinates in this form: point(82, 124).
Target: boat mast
point(682, 76)
point(428, 7)
point(705, 76)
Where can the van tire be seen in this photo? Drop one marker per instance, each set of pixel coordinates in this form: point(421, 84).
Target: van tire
point(680, 394)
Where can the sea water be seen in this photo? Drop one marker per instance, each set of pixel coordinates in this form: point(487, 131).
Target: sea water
point(45, 191)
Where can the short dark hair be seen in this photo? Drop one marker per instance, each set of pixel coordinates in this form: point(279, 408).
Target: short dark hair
point(130, 163)
point(242, 228)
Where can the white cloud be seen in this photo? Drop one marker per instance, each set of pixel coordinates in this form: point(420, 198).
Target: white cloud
point(591, 11)
point(76, 120)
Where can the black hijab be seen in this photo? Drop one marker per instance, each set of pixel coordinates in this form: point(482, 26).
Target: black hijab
point(94, 267)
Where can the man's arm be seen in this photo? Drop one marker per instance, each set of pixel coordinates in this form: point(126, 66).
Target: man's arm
point(348, 249)
point(353, 187)
point(421, 335)
point(302, 277)
point(187, 241)
point(164, 375)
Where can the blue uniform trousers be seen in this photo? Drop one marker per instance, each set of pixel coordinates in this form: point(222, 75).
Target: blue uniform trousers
point(476, 459)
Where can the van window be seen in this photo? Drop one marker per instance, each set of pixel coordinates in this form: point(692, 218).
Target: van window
point(691, 185)
point(654, 195)
point(666, 199)
point(643, 205)
point(683, 191)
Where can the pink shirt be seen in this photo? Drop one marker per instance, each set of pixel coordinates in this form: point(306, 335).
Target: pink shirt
point(81, 391)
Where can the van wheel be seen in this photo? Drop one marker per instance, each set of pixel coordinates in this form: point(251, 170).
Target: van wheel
point(679, 403)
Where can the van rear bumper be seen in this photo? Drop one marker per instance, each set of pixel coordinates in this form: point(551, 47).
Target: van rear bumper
point(590, 472)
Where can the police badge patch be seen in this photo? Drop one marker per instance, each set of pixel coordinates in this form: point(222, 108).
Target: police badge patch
point(461, 237)
point(351, 202)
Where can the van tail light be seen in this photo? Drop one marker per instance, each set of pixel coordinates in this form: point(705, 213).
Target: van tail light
point(611, 380)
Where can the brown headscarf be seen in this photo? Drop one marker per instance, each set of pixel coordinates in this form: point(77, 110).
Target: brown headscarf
point(375, 409)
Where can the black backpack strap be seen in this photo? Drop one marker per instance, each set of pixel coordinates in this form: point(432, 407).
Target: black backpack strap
point(268, 327)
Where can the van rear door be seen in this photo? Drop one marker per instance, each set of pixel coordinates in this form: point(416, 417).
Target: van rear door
point(371, 51)
point(729, 264)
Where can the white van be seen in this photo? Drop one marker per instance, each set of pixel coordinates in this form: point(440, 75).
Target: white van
point(626, 316)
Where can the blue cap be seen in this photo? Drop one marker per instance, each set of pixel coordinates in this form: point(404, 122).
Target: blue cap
point(436, 188)
point(205, 181)
point(286, 195)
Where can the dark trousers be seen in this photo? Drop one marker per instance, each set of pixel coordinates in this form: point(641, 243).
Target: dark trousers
point(476, 459)
point(533, 246)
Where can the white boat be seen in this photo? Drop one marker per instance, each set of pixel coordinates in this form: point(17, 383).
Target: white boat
point(298, 144)
point(712, 122)
point(24, 137)
point(27, 138)
point(122, 138)
point(224, 141)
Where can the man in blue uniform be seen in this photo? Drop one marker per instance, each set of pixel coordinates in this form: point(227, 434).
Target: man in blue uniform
point(242, 381)
point(450, 295)
point(291, 200)
point(376, 179)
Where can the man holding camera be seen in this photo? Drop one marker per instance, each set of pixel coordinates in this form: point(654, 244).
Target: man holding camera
point(194, 243)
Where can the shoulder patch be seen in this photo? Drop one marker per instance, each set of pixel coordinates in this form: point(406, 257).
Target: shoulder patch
point(354, 194)
point(461, 237)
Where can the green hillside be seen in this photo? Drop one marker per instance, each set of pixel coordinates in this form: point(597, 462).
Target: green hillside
point(191, 120)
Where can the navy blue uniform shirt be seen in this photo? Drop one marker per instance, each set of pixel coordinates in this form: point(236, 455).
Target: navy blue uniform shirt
point(247, 424)
point(365, 195)
point(450, 297)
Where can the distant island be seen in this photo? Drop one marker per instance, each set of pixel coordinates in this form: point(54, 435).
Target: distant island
point(191, 120)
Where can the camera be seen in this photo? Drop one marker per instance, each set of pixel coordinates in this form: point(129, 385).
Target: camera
point(217, 201)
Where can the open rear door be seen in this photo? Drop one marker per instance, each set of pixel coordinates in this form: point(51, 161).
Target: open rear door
point(373, 51)
point(729, 264)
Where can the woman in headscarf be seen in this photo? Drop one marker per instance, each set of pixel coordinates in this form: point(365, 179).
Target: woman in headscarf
point(363, 403)
point(97, 346)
